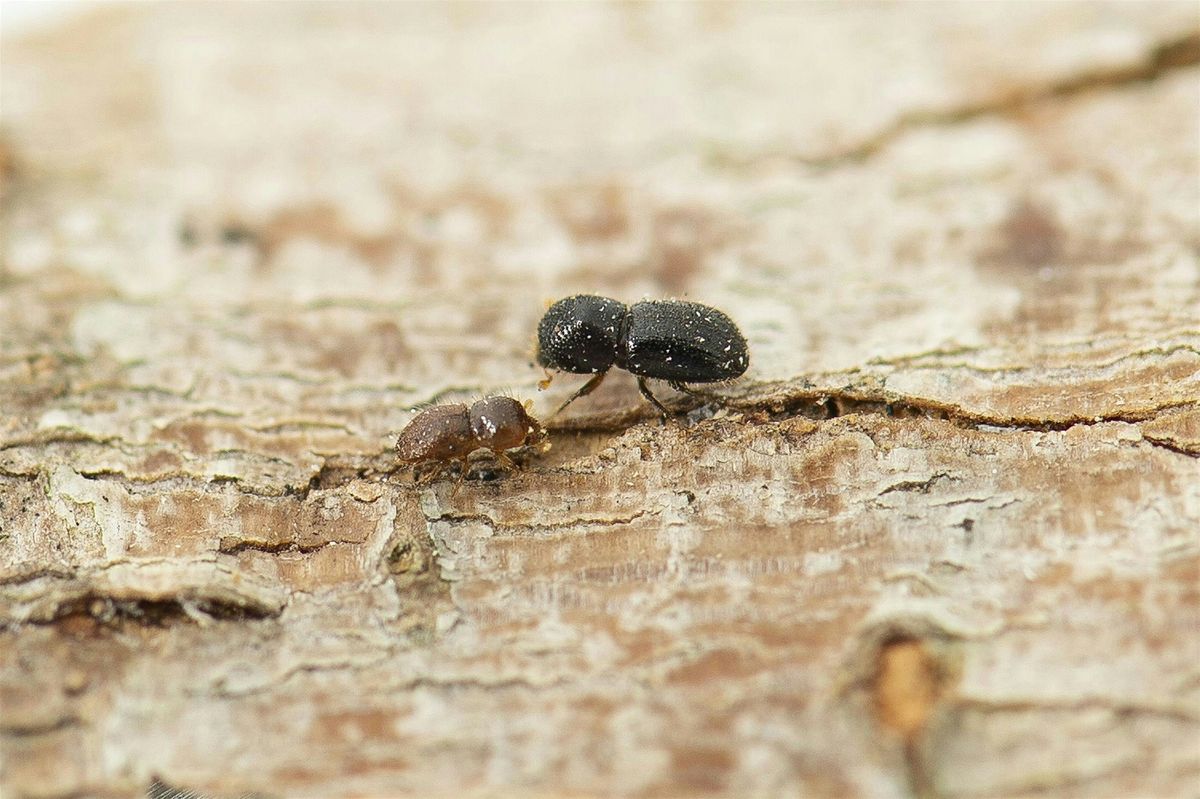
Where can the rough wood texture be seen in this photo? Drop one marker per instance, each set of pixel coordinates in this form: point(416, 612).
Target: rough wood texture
point(944, 541)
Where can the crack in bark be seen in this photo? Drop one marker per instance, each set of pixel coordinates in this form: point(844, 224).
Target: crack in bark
point(831, 404)
point(780, 401)
point(495, 526)
point(221, 692)
point(278, 547)
point(1163, 59)
point(482, 684)
point(1050, 705)
point(17, 578)
point(916, 486)
point(111, 610)
point(57, 437)
point(820, 405)
point(35, 730)
point(220, 595)
point(1171, 446)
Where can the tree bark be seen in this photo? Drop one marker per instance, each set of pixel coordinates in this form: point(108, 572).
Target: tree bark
point(942, 540)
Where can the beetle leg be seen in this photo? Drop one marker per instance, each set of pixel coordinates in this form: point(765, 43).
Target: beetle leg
point(686, 389)
point(507, 462)
point(642, 387)
point(462, 475)
point(422, 476)
point(705, 396)
point(584, 390)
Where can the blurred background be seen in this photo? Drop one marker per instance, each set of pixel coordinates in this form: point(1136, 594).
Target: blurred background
point(385, 195)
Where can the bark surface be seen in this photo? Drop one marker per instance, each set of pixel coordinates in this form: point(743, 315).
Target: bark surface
point(943, 540)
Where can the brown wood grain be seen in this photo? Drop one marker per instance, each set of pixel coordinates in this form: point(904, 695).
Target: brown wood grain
point(943, 539)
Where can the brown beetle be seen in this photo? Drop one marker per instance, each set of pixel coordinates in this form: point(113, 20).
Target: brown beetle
point(447, 433)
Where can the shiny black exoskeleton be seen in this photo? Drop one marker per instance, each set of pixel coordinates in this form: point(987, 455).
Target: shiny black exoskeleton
point(673, 340)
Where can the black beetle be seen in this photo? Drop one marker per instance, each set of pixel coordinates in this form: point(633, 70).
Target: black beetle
point(673, 340)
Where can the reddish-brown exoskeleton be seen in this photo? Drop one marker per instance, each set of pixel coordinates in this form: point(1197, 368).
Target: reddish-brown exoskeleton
point(445, 434)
